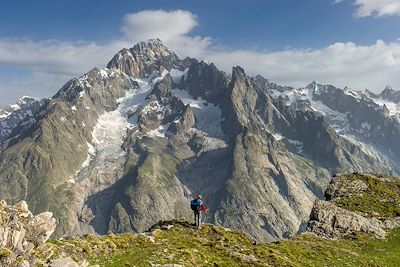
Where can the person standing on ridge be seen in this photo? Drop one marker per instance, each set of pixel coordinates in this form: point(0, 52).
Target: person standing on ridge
point(197, 205)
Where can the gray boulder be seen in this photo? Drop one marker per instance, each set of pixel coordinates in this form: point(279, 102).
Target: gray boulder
point(23, 238)
point(328, 220)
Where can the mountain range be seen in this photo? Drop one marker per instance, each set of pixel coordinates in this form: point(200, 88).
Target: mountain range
point(121, 148)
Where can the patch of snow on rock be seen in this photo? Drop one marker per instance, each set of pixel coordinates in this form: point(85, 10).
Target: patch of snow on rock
point(394, 108)
point(337, 120)
point(355, 94)
point(103, 73)
point(15, 107)
point(277, 136)
point(298, 144)
point(91, 153)
point(83, 82)
point(5, 114)
point(208, 115)
point(177, 75)
point(366, 148)
point(110, 131)
point(159, 132)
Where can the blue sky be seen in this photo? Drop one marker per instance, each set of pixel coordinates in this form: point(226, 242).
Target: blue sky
point(273, 25)
point(348, 42)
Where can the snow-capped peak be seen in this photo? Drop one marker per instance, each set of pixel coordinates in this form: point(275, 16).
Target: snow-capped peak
point(156, 41)
point(205, 61)
point(20, 103)
point(350, 92)
point(388, 88)
point(313, 84)
point(152, 47)
point(315, 87)
point(11, 115)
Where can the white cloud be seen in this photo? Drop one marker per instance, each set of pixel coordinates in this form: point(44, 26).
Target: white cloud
point(172, 27)
point(378, 8)
point(51, 62)
point(340, 64)
point(166, 25)
point(55, 56)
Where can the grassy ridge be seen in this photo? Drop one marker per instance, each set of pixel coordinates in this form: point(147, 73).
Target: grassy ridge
point(381, 199)
point(216, 246)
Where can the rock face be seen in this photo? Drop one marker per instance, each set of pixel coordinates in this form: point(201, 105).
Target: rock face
point(23, 239)
point(145, 58)
point(342, 215)
point(389, 94)
point(206, 81)
point(328, 220)
point(127, 146)
point(21, 232)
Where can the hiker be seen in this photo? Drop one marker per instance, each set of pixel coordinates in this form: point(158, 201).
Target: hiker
point(197, 205)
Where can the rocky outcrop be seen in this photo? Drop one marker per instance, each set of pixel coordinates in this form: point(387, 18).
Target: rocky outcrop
point(162, 107)
point(20, 230)
point(357, 203)
point(328, 220)
point(185, 123)
point(205, 81)
point(23, 237)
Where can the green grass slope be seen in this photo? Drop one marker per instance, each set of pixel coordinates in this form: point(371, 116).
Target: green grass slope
point(215, 246)
point(380, 198)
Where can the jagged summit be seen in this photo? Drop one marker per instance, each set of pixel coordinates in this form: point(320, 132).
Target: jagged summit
point(151, 48)
point(151, 44)
point(313, 86)
point(269, 86)
point(313, 83)
point(390, 94)
point(388, 97)
point(146, 57)
point(13, 114)
point(388, 89)
point(20, 103)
